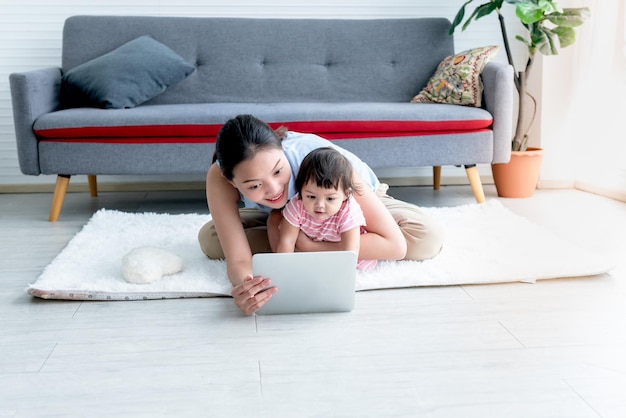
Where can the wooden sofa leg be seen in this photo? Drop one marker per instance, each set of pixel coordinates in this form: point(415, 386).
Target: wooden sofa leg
point(474, 179)
point(58, 197)
point(93, 185)
point(436, 177)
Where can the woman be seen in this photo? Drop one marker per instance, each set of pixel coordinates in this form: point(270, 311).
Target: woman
point(256, 165)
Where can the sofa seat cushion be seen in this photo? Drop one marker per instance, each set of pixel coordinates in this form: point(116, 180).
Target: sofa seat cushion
point(189, 123)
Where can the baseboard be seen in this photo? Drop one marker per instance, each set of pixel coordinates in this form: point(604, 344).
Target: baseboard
point(555, 184)
point(619, 195)
point(428, 181)
point(82, 187)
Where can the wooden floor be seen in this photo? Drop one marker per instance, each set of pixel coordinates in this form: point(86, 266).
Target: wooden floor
point(556, 348)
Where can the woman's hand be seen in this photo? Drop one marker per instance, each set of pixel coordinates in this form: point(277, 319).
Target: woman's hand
point(249, 296)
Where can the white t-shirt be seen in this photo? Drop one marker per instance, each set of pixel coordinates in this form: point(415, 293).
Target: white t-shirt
point(297, 146)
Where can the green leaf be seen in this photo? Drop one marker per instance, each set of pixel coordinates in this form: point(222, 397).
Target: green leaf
point(486, 9)
point(473, 16)
point(528, 12)
point(523, 40)
point(531, 48)
point(497, 3)
point(480, 11)
point(567, 36)
point(545, 40)
point(570, 17)
point(548, 6)
point(459, 17)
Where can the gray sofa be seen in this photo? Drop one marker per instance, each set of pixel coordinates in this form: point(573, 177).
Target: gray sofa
point(350, 81)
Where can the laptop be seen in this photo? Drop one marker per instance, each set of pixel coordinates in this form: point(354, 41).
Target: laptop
point(308, 282)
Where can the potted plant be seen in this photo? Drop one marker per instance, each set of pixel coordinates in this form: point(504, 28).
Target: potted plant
point(547, 28)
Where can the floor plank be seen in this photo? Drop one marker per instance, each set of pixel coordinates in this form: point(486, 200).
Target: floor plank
point(550, 349)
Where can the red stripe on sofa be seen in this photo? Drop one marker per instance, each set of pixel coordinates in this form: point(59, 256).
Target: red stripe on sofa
point(131, 131)
point(365, 135)
point(385, 126)
point(137, 140)
point(344, 136)
point(320, 127)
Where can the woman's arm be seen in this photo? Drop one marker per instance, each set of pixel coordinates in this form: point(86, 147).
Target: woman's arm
point(223, 199)
point(384, 239)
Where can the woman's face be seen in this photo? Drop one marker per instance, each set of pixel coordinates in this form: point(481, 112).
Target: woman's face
point(264, 178)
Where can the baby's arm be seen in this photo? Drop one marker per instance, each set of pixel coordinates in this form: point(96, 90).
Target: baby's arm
point(288, 234)
point(351, 240)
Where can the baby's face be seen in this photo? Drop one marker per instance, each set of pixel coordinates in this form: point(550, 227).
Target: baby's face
point(320, 202)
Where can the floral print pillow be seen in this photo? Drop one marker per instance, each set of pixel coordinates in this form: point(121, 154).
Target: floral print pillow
point(457, 78)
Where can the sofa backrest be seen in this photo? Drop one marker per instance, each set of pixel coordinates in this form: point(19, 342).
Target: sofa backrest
point(277, 60)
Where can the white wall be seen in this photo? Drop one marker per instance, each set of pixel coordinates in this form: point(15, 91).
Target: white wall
point(583, 112)
point(557, 90)
point(30, 38)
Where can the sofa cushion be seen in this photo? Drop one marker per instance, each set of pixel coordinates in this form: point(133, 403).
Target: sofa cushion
point(201, 122)
point(125, 77)
point(457, 78)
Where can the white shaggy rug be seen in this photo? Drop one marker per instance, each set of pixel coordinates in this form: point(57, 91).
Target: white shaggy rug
point(485, 243)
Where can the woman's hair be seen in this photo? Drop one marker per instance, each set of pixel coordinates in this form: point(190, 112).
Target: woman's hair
point(328, 168)
point(241, 138)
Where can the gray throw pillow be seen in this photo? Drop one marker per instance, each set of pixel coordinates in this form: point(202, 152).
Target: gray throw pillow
point(125, 77)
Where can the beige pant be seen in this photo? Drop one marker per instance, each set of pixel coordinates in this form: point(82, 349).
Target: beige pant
point(423, 233)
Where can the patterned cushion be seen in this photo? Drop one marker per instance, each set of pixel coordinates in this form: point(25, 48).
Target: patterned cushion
point(457, 78)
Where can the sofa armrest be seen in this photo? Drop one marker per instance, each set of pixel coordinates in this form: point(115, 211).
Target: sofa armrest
point(499, 93)
point(33, 93)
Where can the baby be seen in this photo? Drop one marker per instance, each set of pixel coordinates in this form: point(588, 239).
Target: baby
point(324, 208)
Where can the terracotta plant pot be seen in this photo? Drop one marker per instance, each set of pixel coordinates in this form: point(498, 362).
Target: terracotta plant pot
point(518, 177)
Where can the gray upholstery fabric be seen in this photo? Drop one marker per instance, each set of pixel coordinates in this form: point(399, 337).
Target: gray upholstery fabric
point(129, 75)
point(429, 150)
point(89, 158)
point(218, 113)
point(498, 100)
point(280, 70)
point(278, 60)
point(33, 94)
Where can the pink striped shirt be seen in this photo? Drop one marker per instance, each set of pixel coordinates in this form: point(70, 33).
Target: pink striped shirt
point(348, 217)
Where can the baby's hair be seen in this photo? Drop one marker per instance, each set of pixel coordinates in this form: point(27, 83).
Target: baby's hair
point(328, 168)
